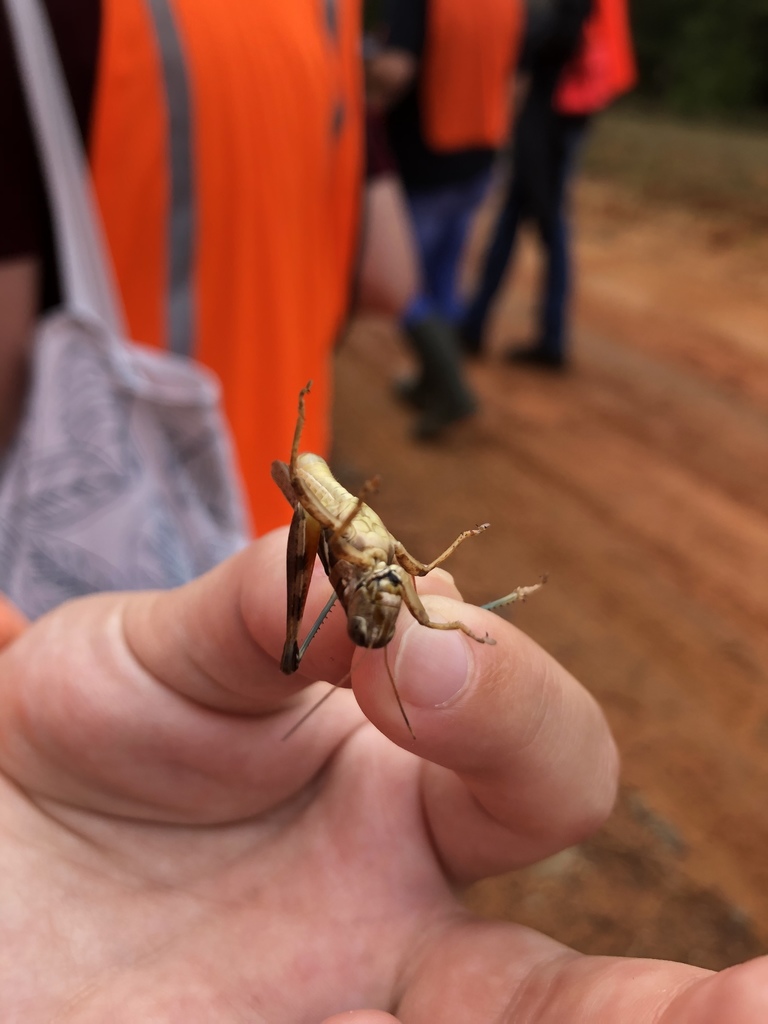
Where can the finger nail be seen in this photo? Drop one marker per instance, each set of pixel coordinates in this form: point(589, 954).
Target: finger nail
point(432, 666)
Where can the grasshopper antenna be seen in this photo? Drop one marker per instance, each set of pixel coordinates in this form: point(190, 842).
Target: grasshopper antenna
point(315, 706)
point(336, 686)
point(397, 695)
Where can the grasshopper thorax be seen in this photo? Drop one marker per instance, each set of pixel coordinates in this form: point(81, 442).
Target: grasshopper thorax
point(373, 603)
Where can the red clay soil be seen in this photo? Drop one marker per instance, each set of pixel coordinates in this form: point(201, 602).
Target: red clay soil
point(639, 482)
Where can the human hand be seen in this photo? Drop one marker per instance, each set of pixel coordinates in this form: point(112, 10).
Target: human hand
point(389, 73)
point(168, 857)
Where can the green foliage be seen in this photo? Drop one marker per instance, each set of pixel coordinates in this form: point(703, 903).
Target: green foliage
point(703, 56)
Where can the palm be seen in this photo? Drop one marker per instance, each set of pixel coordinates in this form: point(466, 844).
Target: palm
point(254, 915)
point(167, 857)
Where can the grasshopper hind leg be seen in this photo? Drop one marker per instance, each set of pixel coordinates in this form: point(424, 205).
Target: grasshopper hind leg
point(416, 568)
point(299, 424)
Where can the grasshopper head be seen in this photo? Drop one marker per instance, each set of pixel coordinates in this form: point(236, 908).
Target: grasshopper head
point(373, 605)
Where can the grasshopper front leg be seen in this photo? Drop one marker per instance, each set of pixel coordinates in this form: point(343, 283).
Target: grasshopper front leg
point(416, 568)
point(369, 487)
point(419, 612)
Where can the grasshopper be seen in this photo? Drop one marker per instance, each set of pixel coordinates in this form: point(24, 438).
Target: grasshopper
point(371, 572)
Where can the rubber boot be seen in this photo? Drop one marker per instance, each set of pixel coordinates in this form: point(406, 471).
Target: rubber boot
point(443, 393)
point(412, 391)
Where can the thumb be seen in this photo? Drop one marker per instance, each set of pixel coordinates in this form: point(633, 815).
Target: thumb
point(360, 1017)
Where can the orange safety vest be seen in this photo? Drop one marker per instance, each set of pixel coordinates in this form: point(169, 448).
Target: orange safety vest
point(471, 49)
point(227, 158)
point(603, 68)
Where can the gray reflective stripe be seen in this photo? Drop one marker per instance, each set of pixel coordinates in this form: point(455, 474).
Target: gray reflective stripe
point(181, 226)
point(332, 26)
point(332, 19)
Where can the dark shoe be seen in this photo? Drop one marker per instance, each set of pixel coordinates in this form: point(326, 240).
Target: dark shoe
point(411, 391)
point(470, 341)
point(536, 356)
point(434, 421)
point(441, 391)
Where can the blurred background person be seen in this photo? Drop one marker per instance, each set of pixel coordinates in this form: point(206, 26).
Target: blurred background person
point(225, 144)
point(577, 58)
point(443, 78)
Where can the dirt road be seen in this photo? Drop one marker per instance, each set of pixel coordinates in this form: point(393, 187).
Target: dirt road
point(639, 482)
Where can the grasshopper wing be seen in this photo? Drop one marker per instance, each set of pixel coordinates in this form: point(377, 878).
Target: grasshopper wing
point(303, 541)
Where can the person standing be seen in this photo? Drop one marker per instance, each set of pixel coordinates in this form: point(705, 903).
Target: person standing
point(444, 78)
point(225, 146)
point(578, 58)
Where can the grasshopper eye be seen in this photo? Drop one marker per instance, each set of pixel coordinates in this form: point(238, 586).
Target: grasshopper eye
point(371, 614)
point(357, 630)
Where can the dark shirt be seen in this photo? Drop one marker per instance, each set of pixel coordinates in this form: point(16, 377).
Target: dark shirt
point(25, 228)
point(421, 167)
point(553, 33)
point(540, 132)
point(378, 154)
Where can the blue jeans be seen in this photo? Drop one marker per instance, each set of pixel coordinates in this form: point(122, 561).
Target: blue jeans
point(546, 206)
point(441, 220)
